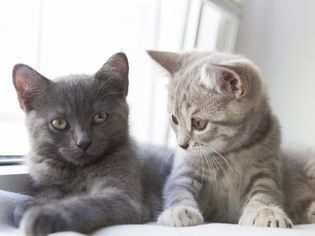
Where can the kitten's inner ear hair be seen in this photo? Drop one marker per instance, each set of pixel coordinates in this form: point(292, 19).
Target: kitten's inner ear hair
point(116, 70)
point(115, 65)
point(170, 61)
point(28, 84)
point(224, 79)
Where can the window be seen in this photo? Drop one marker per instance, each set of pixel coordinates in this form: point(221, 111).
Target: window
point(77, 36)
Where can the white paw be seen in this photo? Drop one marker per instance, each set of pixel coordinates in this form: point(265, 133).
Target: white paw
point(266, 216)
point(180, 216)
point(311, 213)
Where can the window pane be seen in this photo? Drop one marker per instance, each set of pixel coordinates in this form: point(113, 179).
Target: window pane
point(77, 36)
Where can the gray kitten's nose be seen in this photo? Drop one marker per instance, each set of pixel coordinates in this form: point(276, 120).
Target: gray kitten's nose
point(184, 145)
point(84, 142)
point(84, 145)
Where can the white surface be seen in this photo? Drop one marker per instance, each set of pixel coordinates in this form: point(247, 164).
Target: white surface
point(9, 200)
point(201, 230)
point(204, 230)
point(280, 37)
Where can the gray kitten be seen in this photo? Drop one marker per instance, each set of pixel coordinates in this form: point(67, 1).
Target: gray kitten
point(228, 168)
point(85, 168)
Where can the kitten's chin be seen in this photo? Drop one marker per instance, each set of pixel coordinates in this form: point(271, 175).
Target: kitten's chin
point(79, 157)
point(82, 160)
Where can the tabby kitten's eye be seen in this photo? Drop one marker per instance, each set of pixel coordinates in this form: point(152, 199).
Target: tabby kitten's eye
point(60, 124)
point(199, 125)
point(174, 119)
point(100, 117)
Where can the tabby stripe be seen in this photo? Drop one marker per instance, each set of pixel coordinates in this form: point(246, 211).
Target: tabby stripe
point(263, 189)
point(253, 180)
point(181, 188)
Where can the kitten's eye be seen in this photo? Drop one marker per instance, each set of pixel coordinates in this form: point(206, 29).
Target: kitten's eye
point(199, 124)
point(174, 119)
point(100, 117)
point(60, 124)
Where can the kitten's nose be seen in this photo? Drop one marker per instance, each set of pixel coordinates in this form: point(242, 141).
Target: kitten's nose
point(184, 145)
point(84, 142)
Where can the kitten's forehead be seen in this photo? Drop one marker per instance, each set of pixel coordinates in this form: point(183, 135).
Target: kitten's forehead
point(188, 97)
point(78, 96)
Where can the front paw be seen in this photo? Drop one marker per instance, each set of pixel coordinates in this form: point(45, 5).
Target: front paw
point(180, 216)
point(266, 216)
point(20, 210)
point(41, 221)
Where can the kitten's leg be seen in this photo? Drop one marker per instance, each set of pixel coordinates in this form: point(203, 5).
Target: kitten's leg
point(262, 204)
point(180, 203)
point(83, 213)
point(40, 199)
point(20, 210)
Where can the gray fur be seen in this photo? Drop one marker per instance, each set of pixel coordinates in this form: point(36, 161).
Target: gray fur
point(77, 189)
point(299, 183)
point(231, 171)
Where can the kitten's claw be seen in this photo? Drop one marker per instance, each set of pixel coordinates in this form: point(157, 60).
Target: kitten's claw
point(180, 217)
point(267, 216)
point(40, 221)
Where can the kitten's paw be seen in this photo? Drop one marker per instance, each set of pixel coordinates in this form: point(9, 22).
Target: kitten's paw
point(266, 216)
point(20, 210)
point(311, 213)
point(41, 221)
point(180, 217)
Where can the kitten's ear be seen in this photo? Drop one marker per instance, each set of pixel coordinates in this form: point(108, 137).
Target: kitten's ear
point(29, 85)
point(170, 61)
point(225, 79)
point(117, 64)
point(115, 68)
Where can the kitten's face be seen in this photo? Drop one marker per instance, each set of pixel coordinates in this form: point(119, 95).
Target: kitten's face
point(209, 99)
point(200, 119)
point(75, 118)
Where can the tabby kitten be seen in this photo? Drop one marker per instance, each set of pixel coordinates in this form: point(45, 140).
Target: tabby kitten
point(83, 164)
point(299, 184)
point(228, 167)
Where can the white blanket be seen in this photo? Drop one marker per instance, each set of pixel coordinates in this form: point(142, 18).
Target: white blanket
point(8, 201)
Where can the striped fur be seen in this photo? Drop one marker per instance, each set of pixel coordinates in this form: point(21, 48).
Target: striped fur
point(231, 171)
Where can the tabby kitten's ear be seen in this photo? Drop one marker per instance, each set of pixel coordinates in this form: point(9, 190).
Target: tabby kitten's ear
point(170, 61)
point(115, 68)
point(29, 85)
point(225, 79)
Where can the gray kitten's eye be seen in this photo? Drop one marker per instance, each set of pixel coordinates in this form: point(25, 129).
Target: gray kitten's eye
point(174, 119)
point(60, 124)
point(100, 117)
point(198, 125)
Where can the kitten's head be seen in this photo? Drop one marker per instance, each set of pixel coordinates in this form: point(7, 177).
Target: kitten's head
point(77, 118)
point(212, 97)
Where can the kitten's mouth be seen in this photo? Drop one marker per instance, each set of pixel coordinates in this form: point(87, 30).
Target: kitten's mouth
point(196, 148)
point(78, 157)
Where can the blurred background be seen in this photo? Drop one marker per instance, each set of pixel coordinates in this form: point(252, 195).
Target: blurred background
point(77, 36)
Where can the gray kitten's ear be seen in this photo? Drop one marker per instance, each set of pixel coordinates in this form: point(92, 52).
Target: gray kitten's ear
point(29, 85)
point(116, 69)
point(117, 65)
point(224, 79)
point(170, 61)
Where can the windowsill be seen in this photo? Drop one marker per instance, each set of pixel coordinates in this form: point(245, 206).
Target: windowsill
point(15, 178)
point(13, 170)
